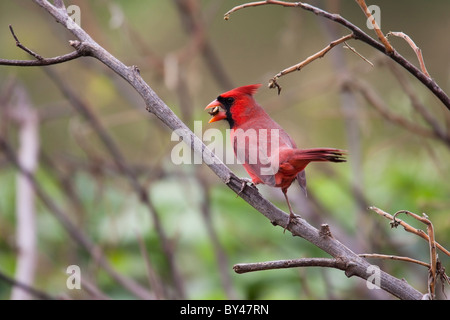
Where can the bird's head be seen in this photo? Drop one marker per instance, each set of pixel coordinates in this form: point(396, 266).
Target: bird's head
point(235, 106)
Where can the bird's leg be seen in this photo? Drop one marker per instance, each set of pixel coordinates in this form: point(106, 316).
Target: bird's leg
point(245, 182)
point(292, 216)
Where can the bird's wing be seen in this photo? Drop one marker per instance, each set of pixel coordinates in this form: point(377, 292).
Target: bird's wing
point(301, 178)
point(254, 156)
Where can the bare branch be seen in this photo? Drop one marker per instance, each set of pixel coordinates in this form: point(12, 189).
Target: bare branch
point(359, 35)
point(390, 257)
point(380, 106)
point(29, 51)
point(40, 61)
point(35, 292)
point(414, 47)
point(26, 117)
point(376, 27)
point(273, 82)
point(408, 228)
point(347, 46)
point(123, 166)
point(72, 230)
point(438, 129)
point(432, 244)
point(154, 279)
point(293, 263)
point(43, 62)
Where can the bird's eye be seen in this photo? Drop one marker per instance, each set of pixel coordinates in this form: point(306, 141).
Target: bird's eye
point(226, 101)
point(230, 100)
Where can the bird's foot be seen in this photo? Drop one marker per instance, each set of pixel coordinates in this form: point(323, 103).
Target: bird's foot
point(245, 182)
point(292, 218)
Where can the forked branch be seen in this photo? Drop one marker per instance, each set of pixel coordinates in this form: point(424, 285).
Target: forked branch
point(273, 82)
point(39, 61)
point(434, 265)
point(383, 46)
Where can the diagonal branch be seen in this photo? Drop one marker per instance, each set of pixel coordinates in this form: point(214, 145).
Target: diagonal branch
point(407, 227)
point(77, 235)
point(359, 35)
point(273, 82)
point(123, 166)
point(31, 290)
point(380, 106)
point(413, 46)
point(375, 25)
point(391, 257)
point(431, 242)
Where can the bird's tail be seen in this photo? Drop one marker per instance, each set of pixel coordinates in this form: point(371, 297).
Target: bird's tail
point(302, 157)
point(321, 154)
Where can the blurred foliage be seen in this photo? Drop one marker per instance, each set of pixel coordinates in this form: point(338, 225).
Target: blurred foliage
point(400, 170)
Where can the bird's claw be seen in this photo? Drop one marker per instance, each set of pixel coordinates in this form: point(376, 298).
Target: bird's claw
point(292, 218)
point(245, 182)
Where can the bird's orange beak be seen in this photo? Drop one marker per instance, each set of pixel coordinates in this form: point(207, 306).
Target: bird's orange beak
point(216, 113)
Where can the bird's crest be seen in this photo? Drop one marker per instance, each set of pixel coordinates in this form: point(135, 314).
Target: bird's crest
point(249, 89)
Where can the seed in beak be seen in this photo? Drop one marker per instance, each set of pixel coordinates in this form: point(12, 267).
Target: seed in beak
point(214, 111)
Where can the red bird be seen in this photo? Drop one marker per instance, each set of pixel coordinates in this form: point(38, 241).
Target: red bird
point(267, 152)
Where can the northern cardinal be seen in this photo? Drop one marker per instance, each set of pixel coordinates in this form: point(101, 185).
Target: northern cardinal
point(267, 152)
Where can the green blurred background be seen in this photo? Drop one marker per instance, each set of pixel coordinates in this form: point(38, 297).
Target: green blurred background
point(389, 166)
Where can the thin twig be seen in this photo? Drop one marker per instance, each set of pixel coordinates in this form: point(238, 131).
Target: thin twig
point(293, 263)
point(155, 281)
point(273, 82)
point(26, 117)
point(390, 257)
point(76, 234)
point(376, 27)
point(347, 46)
point(413, 46)
point(438, 129)
point(35, 292)
point(44, 62)
point(116, 155)
point(380, 106)
point(29, 51)
point(40, 61)
point(432, 245)
point(196, 27)
point(219, 252)
point(408, 228)
point(359, 35)
point(119, 159)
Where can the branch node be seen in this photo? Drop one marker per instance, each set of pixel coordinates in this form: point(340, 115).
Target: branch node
point(136, 69)
point(18, 44)
point(394, 223)
point(350, 268)
point(325, 231)
point(413, 46)
point(274, 84)
point(74, 43)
